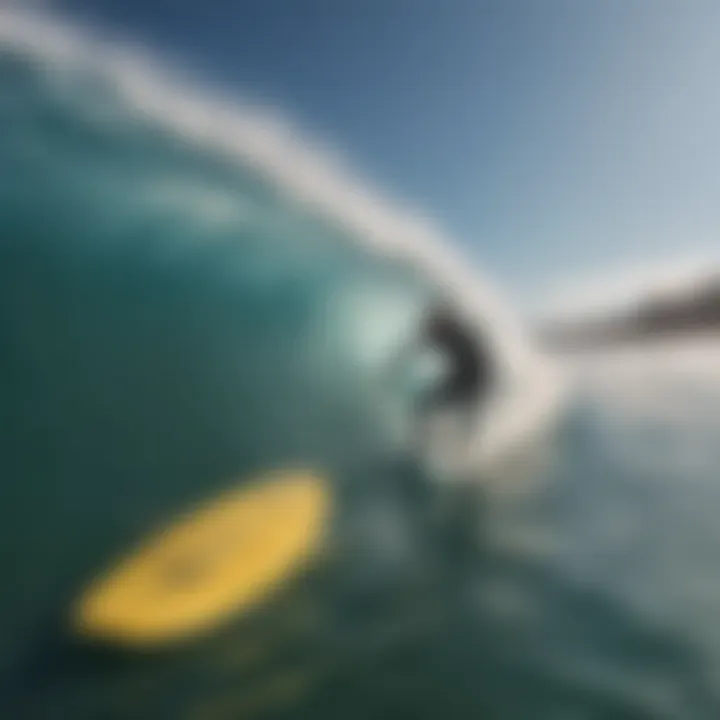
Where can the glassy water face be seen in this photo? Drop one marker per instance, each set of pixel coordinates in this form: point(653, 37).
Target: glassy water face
point(138, 381)
point(171, 323)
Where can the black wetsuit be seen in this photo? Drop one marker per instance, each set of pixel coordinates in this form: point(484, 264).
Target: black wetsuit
point(469, 374)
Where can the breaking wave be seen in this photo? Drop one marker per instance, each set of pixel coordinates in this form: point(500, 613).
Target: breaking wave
point(108, 145)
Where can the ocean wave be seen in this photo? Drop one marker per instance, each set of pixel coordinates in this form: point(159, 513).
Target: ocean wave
point(206, 168)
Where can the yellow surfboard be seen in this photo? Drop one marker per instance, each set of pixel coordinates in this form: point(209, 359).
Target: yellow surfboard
point(218, 562)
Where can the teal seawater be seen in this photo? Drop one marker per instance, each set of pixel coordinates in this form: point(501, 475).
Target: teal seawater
point(171, 323)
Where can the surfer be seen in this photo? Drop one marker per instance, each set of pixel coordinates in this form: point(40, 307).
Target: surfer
point(463, 387)
point(469, 363)
point(447, 423)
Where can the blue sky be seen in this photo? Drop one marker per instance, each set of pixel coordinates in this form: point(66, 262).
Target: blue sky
point(553, 138)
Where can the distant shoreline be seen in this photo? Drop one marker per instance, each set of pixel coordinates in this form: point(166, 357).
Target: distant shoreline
point(694, 315)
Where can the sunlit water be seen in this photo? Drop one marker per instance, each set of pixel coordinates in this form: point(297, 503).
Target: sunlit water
point(171, 322)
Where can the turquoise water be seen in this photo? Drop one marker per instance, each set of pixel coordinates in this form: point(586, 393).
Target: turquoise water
point(172, 322)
